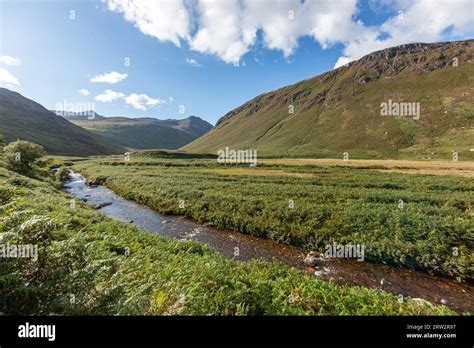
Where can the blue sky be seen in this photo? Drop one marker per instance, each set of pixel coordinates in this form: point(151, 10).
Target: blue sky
point(216, 59)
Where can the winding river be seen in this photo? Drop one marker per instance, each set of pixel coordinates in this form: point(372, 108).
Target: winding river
point(401, 282)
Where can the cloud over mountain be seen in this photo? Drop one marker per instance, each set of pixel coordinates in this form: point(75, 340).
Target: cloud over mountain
point(141, 101)
point(8, 78)
point(109, 96)
point(230, 28)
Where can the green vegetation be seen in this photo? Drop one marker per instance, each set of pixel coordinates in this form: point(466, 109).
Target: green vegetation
point(24, 119)
point(63, 174)
point(417, 221)
point(90, 264)
point(169, 154)
point(147, 133)
point(339, 111)
point(22, 156)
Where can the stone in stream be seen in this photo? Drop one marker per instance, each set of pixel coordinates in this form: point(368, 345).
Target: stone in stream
point(97, 181)
point(101, 205)
point(323, 271)
point(312, 259)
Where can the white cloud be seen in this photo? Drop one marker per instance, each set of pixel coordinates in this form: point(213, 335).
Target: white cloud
point(138, 101)
point(9, 60)
point(141, 101)
point(8, 78)
point(418, 21)
point(193, 62)
point(220, 30)
point(109, 96)
point(84, 92)
point(112, 77)
point(167, 20)
point(229, 28)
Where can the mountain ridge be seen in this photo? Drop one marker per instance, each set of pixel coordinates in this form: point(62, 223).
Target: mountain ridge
point(146, 132)
point(338, 111)
point(25, 119)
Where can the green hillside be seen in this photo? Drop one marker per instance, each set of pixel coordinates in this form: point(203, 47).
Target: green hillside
point(22, 118)
point(78, 116)
point(147, 133)
point(340, 111)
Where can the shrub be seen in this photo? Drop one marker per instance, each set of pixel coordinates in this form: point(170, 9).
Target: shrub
point(63, 174)
point(22, 155)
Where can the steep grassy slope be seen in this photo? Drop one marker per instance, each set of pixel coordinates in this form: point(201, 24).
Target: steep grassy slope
point(147, 133)
point(339, 111)
point(22, 118)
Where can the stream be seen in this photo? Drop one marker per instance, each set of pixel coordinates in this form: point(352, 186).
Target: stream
point(399, 281)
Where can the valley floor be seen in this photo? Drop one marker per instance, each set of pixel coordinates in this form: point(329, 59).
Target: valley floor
point(90, 264)
point(457, 168)
point(417, 221)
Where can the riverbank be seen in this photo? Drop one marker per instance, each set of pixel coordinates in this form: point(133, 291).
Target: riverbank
point(400, 282)
point(90, 264)
point(419, 222)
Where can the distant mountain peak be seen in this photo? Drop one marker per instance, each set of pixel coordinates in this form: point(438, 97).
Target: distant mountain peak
point(146, 132)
